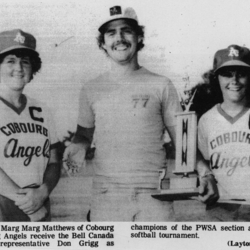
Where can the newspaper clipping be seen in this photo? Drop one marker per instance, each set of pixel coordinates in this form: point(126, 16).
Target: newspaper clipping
point(125, 124)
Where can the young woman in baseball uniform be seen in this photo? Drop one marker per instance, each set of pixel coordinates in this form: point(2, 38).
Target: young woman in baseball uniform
point(224, 134)
point(29, 167)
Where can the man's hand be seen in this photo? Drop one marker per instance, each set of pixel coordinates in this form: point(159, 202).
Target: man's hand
point(74, 158)
point(208, 189)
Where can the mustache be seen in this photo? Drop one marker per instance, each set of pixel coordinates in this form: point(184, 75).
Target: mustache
point(123, 42)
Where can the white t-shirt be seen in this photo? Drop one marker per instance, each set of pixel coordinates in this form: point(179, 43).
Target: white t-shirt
point(129, 116)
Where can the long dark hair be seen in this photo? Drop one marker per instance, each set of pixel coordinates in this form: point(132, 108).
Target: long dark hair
point(208, 92)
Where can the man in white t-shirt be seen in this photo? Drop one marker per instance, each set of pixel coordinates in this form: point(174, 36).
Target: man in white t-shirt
point(127, 109)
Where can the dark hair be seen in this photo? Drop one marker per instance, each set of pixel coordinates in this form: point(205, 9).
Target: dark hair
point(35, 60)
point(211, 78)
point(208, 93)
point(139, 30)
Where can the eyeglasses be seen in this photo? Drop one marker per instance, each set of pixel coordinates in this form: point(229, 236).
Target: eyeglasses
point(231, 73)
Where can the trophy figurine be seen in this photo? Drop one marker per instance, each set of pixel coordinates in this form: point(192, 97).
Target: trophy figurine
point(183, 183)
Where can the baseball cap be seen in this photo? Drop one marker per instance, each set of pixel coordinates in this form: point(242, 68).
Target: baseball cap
point(234, 55)
point(16, 39)
point(118, 12)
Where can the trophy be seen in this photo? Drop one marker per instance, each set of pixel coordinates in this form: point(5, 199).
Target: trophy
point(183, 183)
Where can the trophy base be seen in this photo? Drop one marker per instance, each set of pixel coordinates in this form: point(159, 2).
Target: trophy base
point(187, 181)
point(176, 194)
point(182, 187)
point(233, 200)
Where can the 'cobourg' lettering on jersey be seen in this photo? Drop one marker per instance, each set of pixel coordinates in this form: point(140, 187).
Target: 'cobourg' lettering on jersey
point(225, 142)
point(25, 137)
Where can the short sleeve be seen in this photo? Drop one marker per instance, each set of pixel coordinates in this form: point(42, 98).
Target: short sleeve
point(86, 116)
point(203, 139)
point(171, 104)
point(52, 130)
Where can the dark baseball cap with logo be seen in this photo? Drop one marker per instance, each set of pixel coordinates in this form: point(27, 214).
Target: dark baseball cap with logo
point(17, 39)
point(234, 55)
point(116, 13)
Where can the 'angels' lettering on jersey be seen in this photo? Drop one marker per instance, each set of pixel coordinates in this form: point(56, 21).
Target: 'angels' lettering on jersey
point(20, 131)
point(12, 149)
point(223, 160)
point(222, 149)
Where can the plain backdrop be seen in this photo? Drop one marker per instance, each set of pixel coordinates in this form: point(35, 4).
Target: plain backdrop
point(181, 38)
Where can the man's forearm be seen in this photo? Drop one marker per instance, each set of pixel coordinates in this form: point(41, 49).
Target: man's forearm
point(172, 133)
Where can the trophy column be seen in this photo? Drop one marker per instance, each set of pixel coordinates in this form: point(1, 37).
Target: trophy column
point(186, 138)
point(183, 184)
point(185, 158)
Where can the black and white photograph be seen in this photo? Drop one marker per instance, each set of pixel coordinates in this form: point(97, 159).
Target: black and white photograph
point(124, 124)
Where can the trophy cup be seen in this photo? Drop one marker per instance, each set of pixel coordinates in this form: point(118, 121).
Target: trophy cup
point(183, 183)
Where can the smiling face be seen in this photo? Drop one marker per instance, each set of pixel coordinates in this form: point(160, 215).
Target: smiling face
point(121, 41)
point(15, 72)
point(234, 83)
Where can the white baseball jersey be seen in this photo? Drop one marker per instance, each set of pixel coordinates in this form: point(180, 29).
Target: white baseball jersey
point(26, 136)
point(129, 115)
point(225, 142)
